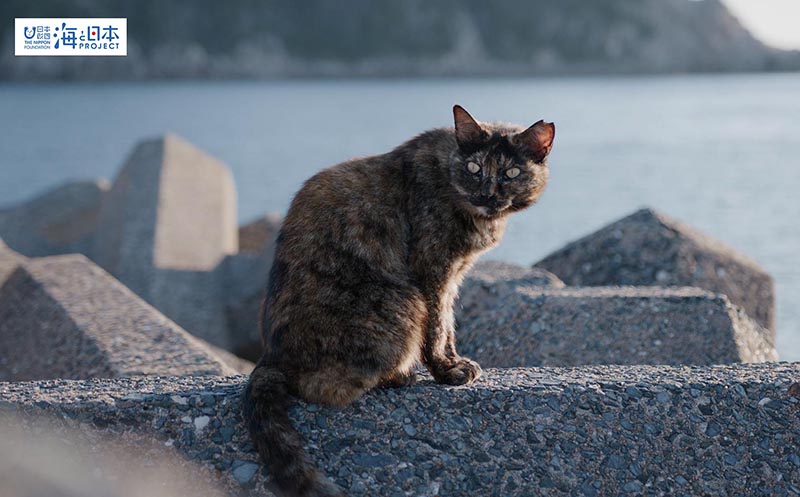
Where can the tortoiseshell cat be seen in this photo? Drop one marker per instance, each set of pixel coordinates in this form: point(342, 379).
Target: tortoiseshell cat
point(367, 268)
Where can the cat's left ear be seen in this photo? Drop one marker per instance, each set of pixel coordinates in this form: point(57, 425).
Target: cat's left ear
point(537, 140)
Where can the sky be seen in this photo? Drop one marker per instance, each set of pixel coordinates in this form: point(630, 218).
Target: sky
point(775, 22)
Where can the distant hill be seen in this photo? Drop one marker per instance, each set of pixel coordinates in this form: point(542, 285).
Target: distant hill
point(278, 38)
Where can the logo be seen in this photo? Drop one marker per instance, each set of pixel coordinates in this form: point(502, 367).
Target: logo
point(71, 36)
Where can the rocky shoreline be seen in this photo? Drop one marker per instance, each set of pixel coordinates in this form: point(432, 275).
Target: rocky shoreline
point(128, 307)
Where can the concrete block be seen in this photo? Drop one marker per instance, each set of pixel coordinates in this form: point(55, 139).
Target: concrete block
point(535, 326)
point(9, 261)
point(62, 220)
point(167, 224)
point(64, 317)
point(604, 431)
point(246, 276)
point(649, 248)
point(259, 235)
point(40, 456)
point(488, 280)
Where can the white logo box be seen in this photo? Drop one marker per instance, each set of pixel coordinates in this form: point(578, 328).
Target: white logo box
point(70, 36)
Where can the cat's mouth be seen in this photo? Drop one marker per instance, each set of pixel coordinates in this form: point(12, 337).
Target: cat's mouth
point(488, 209)
point(485, 211)
point(480, 206)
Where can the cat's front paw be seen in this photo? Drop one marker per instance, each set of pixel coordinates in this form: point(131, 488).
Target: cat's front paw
point(461, 372)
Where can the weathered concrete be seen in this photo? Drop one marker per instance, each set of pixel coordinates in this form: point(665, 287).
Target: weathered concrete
point(536, 326)
point(9, 261)
point(238, 364)
point(167, 224)
point(259, 235)
point(64, 317)
point(489, 273)
point(598, 431)
point(488, 281)
point(40, 457)
point(649, 248)
point(246, 275)
point(245, 281)
point(59, 221)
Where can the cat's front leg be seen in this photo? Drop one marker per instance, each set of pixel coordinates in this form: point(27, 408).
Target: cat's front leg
point(440, 355)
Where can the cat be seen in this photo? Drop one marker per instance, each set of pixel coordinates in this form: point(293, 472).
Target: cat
point(366, 271)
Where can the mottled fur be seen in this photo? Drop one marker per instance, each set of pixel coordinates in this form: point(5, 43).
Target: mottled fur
point(367, 268)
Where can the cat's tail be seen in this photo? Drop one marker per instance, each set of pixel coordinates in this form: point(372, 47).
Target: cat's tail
point(265, 408)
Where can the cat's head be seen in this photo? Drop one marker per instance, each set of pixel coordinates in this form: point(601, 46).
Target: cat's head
point(498, 169)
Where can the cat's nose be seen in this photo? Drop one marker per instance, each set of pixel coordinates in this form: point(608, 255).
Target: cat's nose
point(486, 201)
point(488, 188)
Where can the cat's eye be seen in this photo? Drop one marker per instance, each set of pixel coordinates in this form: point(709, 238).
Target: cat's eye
point(513, 172)
point(473, 167)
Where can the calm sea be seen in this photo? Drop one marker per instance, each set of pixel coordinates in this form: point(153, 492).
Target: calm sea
point(719, 152)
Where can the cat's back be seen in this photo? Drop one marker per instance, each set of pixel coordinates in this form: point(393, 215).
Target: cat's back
point(358, 205)
point(362, 179)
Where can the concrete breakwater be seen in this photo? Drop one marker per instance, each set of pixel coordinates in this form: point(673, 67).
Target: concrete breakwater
point(128, 307)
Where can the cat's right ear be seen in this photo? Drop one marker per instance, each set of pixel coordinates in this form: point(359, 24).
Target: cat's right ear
point(468, 131)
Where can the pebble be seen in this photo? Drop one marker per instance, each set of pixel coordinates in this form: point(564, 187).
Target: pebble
point(226, 432)
point(201, 422)
point(244, 471)
point(713, 429)
point(633, 392)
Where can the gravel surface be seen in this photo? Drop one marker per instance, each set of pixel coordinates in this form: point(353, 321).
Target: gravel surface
point(64, 317)
point(649, 248)
point(595, 431)
point(536, 326)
